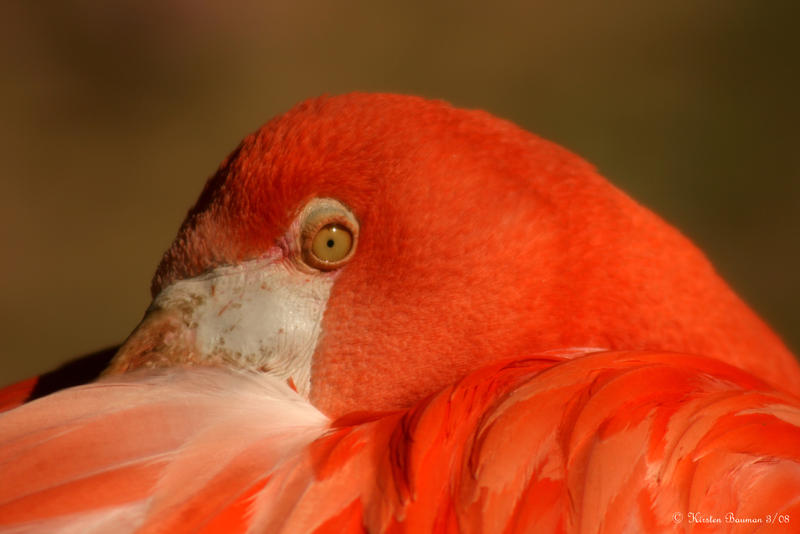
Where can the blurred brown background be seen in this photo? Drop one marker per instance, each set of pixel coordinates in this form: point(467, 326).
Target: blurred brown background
point(113, 115)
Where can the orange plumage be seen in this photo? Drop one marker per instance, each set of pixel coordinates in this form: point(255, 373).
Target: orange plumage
point(597, 442)
point(439, 387)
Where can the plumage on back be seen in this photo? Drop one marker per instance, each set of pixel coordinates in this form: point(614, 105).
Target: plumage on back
point(604, 442)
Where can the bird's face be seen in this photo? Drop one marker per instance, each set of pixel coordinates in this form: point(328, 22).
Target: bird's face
point(351, 240)
point(262, 313)
point(371, 249)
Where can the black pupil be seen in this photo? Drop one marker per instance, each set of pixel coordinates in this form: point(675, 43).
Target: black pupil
point(330, 243)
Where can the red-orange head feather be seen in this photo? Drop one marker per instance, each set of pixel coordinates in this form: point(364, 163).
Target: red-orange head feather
point(478, 242)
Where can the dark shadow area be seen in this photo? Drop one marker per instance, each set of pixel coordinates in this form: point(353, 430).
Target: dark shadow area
point(73, 373)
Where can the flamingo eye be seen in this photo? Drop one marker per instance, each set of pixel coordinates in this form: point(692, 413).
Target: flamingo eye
point(329, 234)
point(332, 243)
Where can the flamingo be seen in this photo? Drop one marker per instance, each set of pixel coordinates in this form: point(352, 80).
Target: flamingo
point(386, 314)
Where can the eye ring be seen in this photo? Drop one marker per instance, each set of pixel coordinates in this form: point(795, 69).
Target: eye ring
point(328, 234)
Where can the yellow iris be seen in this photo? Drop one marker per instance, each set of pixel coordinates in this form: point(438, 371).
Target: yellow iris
point(332, 243)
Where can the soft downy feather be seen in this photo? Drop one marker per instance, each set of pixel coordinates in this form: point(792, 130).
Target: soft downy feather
point(146, 452)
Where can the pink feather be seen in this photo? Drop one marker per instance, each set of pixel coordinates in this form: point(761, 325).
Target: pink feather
point(593, 442)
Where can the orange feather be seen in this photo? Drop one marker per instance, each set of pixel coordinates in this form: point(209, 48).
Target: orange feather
point(601, 442)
